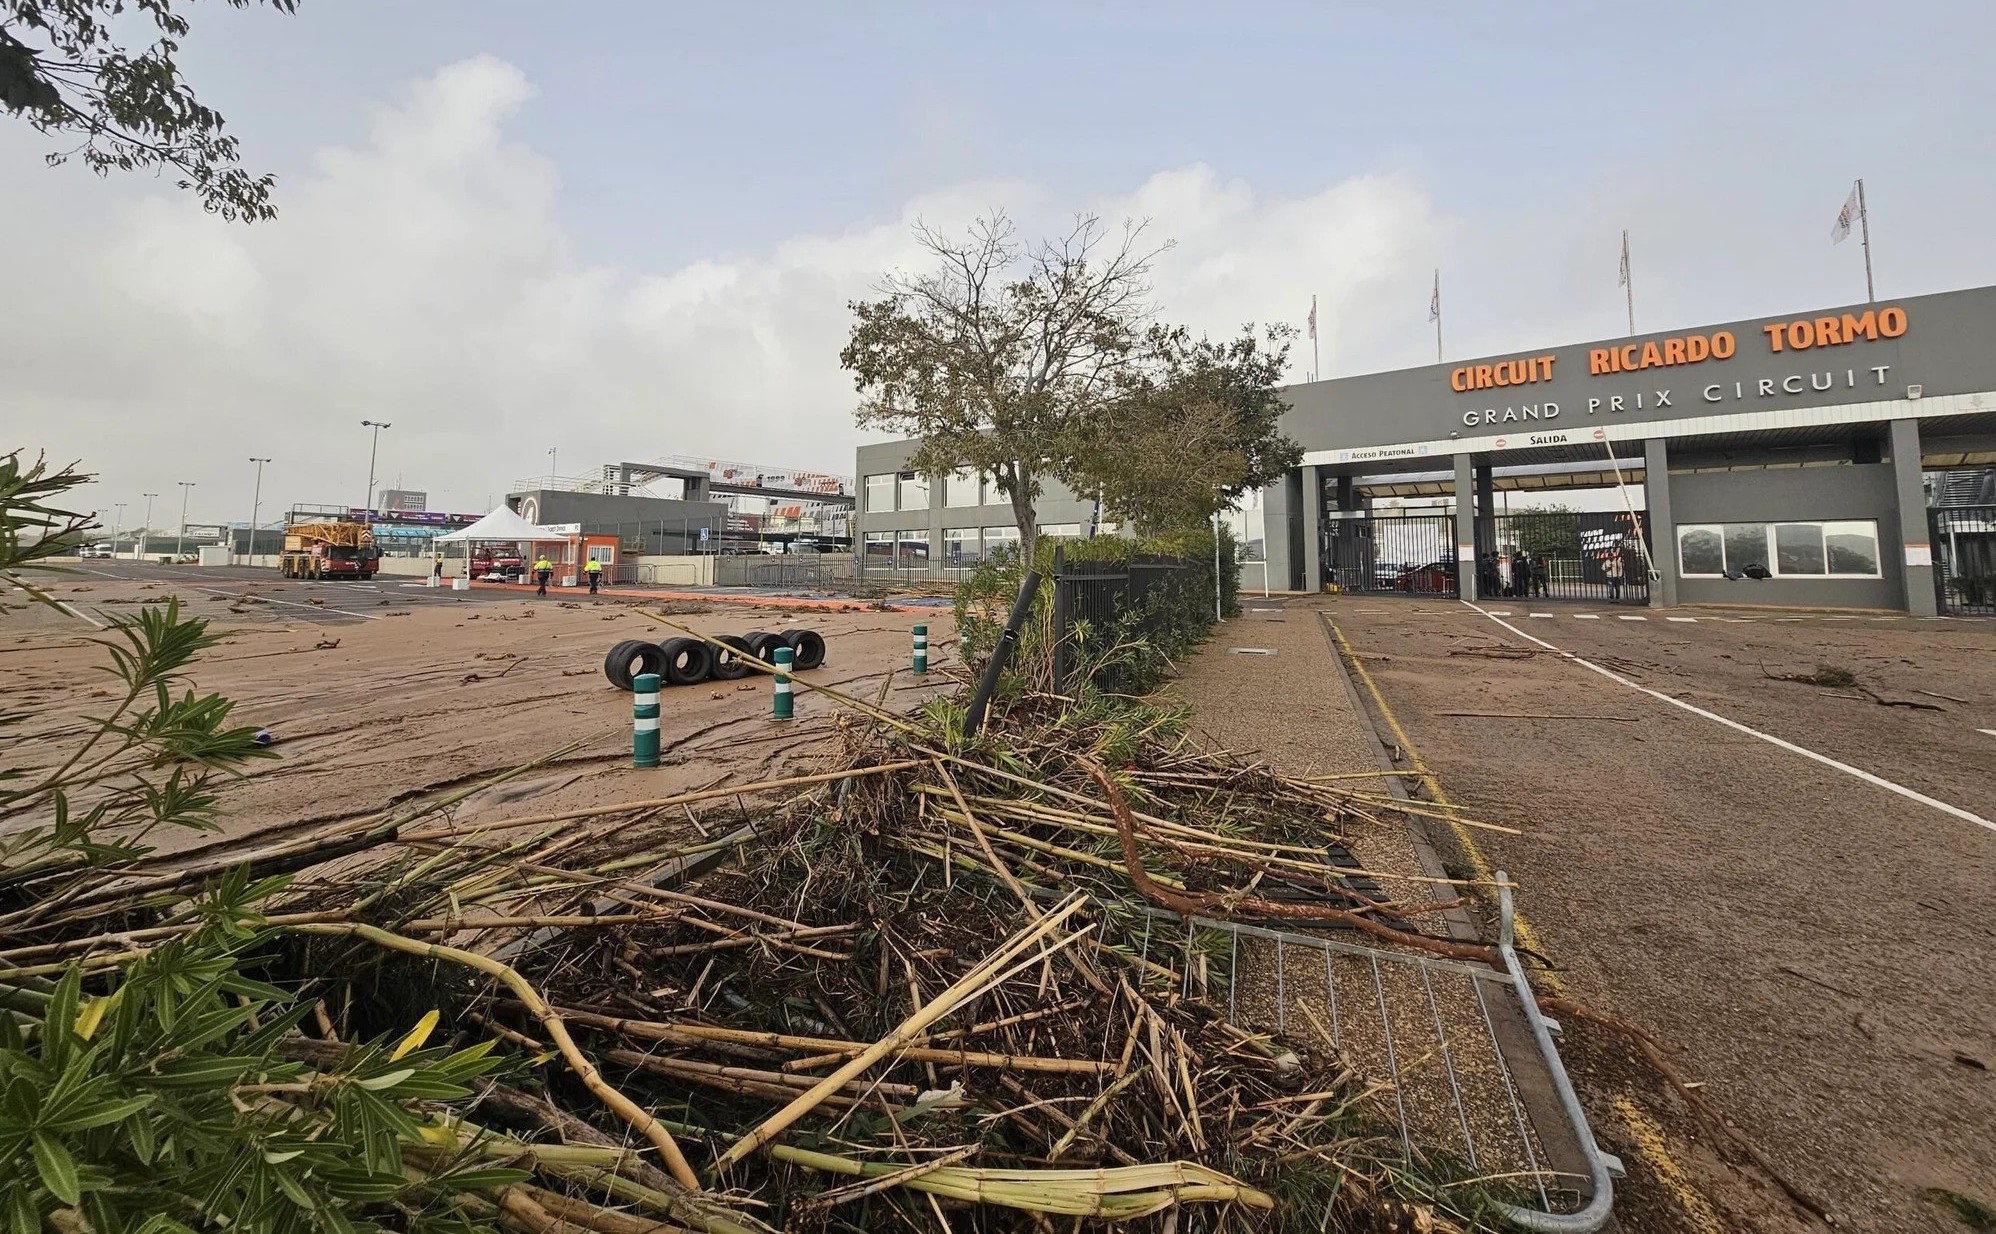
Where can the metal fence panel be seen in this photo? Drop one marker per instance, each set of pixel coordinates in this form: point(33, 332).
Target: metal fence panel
point(1964, 545)
point(1405, 554)
point(1137, 598)
point(1565, 555)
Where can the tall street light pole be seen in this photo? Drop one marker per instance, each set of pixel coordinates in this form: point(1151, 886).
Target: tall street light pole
point(553, 456)
point(256, 499)
point(145, 532)
point(180, 541)
point(117, 525)
point(377, 426)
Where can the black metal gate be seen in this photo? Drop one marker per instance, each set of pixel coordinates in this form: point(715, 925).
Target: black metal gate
point(1964, 545)
point(1392, 554)
point(1564, 555)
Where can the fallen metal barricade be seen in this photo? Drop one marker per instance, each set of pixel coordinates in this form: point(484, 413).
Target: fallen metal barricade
point(1476, 1102)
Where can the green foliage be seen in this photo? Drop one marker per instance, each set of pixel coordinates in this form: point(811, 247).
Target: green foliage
point(154, 1105)
point(1194, 425)
point(63, 64)
point(1130, 653)
point(151, 761)
point(32, 526)
point(995, 357)
point(1553, 532)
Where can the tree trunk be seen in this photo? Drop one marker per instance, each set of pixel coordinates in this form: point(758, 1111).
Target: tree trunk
point(1023, 513)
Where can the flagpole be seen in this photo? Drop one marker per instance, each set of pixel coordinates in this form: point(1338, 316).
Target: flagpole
point(1864, 226)
point(1438, 315)
point(1628, 280)
point(1316, 362)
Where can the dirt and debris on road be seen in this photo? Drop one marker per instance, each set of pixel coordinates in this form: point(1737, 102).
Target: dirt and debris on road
point(380, 712)
point(942, 962)
point(1817, 950)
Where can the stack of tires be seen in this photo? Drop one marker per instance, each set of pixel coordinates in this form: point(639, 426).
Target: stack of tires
point(690, 661)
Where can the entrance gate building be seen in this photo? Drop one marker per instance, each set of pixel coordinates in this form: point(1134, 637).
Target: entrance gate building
point(1778, 462)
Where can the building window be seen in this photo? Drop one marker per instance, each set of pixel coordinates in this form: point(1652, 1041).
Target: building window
point(1852, 548)
point(914, 552)
point(1745, 542)
point(1846, 549)
point(962, 489)
point(996, 538)
point(960, 546)
point(1061, 531)
point(880, 548)
point(880, 493)
point(1701, 551)
point(1798, 548)
point(914, 491)
point(992, 497)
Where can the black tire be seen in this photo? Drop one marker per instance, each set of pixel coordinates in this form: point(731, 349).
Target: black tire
point(808, 646)
point(687, 661)
point(617, 665)
point(730, 665)
point(762, 644)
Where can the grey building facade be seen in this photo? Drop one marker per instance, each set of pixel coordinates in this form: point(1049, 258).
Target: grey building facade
point(1779, 461)
point(909, 523)
point(646, 526)
point(1774, 461)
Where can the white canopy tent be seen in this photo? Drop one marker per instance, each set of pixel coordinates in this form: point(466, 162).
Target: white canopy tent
point(502, 526)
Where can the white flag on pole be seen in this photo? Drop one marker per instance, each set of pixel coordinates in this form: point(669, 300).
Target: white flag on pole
point(1435, 303)
point(1840, 230)
point(1313, 319)
point(1624, 280)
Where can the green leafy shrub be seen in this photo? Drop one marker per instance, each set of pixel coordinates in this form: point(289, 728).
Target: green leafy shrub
point(1131, 653)
point(167, 1104)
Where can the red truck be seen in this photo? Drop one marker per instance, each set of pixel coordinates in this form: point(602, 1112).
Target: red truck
point(498, 563)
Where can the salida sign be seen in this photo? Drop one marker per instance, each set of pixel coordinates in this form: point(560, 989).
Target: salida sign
point(1803, 334)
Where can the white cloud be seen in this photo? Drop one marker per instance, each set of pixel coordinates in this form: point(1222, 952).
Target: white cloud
point(423, 277)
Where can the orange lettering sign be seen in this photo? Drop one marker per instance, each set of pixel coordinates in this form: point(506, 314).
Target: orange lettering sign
point(1805, 333)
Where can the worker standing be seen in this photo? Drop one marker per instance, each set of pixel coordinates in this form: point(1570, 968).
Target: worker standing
point(595, 572)
point(437, 569)
point(543, 571)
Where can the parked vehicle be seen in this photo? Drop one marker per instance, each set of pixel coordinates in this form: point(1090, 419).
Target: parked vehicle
point(330, 550)
point(1433, 577)
point(498, 564)
point(1386, 574)
point(94, 552)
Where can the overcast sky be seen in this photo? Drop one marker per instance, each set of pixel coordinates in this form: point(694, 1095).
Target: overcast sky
point(629, 229)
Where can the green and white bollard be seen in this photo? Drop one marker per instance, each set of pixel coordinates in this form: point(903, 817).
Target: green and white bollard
point(644, 720)
point(785, 704)
point(921, 649)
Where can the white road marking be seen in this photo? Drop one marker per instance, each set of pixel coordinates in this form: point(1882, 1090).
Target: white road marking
point(316, 608)
point(1587, 616)
point(1543, 614)
point(1693, 619)
point(1500, 612)
point(1625, 618)
point(1990, 731)
point(1735, 725)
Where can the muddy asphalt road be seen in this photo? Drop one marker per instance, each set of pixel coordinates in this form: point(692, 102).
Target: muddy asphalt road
point(380, 694)
point(1818, 950)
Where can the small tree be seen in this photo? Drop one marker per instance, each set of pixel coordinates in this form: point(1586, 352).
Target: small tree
point(1196, 425)
point(1546, 531)
point(63, 65)
point(995, 357)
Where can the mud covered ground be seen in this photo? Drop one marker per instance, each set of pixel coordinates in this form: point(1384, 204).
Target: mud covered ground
point(388, 694)
point(1816, 948)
